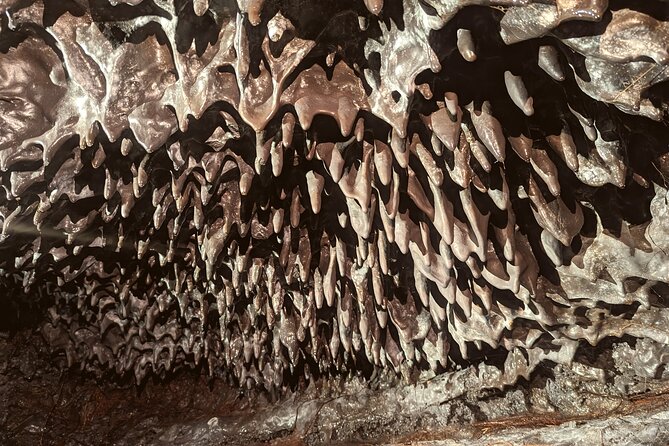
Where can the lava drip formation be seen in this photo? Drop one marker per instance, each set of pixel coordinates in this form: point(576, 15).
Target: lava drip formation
point(281, 191)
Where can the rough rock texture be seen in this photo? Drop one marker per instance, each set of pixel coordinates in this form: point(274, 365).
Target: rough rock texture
point(561, 405)
point(283, 191)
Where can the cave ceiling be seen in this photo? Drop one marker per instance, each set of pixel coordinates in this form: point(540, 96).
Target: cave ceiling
point(286, 191)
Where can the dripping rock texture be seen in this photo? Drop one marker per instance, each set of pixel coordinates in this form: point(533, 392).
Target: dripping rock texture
point(278, 193)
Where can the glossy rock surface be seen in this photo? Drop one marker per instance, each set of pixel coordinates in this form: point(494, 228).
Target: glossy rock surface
point(283, 192)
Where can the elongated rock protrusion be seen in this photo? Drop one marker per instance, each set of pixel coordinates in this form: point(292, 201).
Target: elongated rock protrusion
point(315, 184)
point(276, 158)
point(465, 43)
point(200, 7)
point(550, 62)
point(374, 6)
point(516, 88)
point(489, 129)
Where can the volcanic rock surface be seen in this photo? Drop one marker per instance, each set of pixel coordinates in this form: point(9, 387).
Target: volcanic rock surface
point(287, 191)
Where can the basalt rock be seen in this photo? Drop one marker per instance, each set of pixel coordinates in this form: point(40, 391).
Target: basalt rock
point(286, 191)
